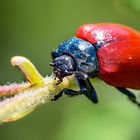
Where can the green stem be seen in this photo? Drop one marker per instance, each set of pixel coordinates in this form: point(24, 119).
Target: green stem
point(26, 101)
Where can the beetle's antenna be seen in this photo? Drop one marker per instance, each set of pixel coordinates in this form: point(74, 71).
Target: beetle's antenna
point(52, 64)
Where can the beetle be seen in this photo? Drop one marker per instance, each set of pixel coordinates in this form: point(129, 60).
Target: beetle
point(106, 50)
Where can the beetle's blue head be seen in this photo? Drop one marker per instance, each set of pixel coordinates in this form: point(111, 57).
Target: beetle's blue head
point(63, 66)
point(74, 56)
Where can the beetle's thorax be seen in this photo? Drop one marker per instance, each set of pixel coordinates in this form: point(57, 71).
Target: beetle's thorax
point(82, 52)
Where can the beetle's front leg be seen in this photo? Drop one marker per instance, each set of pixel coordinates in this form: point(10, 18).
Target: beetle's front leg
point(85, 86)
point(57, 96)
point(67, 91)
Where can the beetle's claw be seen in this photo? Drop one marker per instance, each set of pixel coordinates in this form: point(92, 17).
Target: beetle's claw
point(59, 81)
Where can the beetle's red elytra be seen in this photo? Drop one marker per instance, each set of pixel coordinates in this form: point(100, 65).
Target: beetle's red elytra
point(106, 32)
point(119, 55)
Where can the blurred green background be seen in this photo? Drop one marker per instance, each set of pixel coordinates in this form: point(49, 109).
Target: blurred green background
point(33, 28)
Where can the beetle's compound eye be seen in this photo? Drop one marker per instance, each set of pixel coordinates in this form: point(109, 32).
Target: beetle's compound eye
point(63, 66)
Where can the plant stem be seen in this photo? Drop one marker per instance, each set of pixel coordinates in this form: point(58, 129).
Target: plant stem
point(26, 101)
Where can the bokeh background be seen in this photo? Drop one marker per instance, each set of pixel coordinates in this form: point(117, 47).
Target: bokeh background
point(33, 28)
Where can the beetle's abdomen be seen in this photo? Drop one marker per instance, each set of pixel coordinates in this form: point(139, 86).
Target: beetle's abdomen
point(119, 63)
point(105, 32)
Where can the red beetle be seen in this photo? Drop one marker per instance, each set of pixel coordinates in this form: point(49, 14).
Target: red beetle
point(115, 58)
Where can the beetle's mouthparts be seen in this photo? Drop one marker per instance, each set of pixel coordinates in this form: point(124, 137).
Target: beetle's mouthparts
point(59, 74)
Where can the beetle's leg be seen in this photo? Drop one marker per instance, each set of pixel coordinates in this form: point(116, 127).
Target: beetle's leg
point(87, 89)
point(57, 96)
point(130, 95)
point(67, 91)
point(85, 86)
point(126, 92)
point(91, 93)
